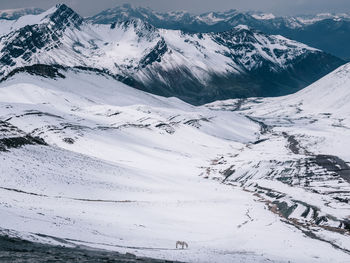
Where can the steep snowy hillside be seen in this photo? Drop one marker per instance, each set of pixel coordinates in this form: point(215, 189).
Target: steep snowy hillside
point(87, 160)
point(330, 95)
point(194, 67)
point(327, 97)
point(325, 31)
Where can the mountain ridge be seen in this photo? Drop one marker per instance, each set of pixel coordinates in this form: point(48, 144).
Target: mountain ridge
point(321, 30)
point(196, 67)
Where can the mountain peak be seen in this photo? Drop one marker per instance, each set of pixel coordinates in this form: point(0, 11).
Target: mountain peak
point(61, 5)
point(62, 15)
point(138, 25)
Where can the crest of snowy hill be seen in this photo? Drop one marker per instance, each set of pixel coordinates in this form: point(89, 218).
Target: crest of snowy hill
point(328, 96)
point(194, 67)
point(325, 31)
point(12, 14)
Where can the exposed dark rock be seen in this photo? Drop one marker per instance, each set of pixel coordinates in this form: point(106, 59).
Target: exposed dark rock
point(69, 140)
point(155, 55)
point(47, 71)
point(334, 164)
point(14, 250)
point(16, 142)
point(12, 137)
point(65, 17)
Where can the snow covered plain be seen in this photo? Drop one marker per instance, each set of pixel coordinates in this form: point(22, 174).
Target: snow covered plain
point(128, 171)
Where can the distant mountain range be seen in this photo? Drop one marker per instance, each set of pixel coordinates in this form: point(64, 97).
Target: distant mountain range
point(196, 67)
point(327, 32)
point(12, 14)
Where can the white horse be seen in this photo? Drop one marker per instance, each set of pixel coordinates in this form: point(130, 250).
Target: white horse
point(183, 244)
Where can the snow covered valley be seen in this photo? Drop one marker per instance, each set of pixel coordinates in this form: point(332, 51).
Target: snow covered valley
point(87, 160)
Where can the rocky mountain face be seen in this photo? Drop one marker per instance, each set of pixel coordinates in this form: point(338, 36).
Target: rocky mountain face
point(327, 32)
point(29, 40)
point(196, 67)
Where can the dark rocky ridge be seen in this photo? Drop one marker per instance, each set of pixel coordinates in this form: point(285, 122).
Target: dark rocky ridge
point(47, 71)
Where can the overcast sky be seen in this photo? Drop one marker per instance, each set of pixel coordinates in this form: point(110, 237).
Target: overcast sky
point(279, 7)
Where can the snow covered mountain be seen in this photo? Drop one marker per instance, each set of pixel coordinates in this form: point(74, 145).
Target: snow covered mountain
point(87, 160)
point(206, 22)
point(12, 14)
point(325, 31)
point(194, 67)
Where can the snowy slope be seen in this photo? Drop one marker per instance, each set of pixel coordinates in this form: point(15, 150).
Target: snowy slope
point(303, 149)
point(332, 90)
point(325, 106)
point(317, 115)
point(236, 63)
point(129, 171)
point(328, 96)
point(300, 164)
